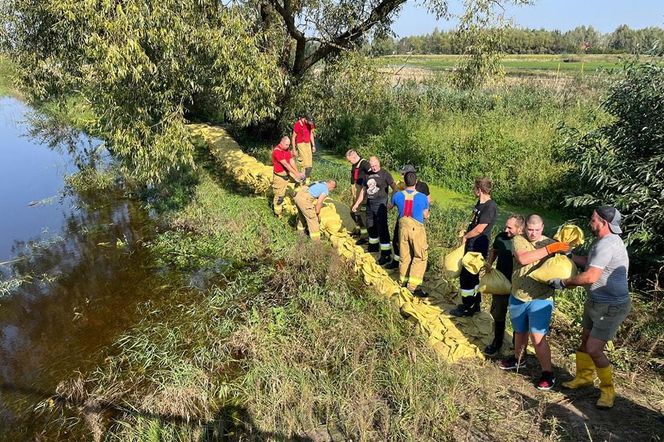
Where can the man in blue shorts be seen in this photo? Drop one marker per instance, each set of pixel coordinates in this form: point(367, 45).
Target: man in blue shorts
point(530, 304)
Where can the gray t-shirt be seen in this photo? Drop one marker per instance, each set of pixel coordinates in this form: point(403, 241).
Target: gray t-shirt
point(610, 255)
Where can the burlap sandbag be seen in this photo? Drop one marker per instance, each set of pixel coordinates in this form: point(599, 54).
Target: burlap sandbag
point(570, 234)
point(473, 262)
point(452, 262)
point(560, 266)
point(495, 283)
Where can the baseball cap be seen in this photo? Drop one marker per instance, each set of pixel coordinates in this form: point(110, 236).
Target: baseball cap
point(407, 168)
point(611, 216)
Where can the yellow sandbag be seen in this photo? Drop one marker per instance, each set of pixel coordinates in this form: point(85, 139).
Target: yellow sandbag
point(452, 262)
point(570, 234)
point(560, 266)
point(473, 262)
point(330, 221)
point(495, 283)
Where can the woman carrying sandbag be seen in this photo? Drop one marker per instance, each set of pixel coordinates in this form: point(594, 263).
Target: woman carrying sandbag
point(476, 239)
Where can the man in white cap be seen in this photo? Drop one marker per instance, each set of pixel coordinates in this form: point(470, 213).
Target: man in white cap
point(608, 303)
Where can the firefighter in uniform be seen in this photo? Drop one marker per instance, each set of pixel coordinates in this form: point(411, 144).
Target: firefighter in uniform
point(413, 209)
point(421, 187)
point(376, 188)
point(282, 166)
point(358, 174)
point(304, 143)
point(309, 201)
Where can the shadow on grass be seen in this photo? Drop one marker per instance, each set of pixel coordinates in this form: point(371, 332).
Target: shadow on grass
point(579, 418)
point(231, 423)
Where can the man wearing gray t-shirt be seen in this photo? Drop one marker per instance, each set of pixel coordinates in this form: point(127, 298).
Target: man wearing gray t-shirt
point(608, 303)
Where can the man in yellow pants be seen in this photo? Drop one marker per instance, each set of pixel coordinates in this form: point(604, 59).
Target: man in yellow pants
point(309, 201)
point(304, 143)
point(282, 167)
point(413, 209)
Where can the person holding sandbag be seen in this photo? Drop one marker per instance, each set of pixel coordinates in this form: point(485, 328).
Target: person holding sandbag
point(476, 239)
point(530, 304)
point(501, 252)
point(608, 303)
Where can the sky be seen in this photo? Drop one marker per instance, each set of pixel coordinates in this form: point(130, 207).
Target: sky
point(603, 15)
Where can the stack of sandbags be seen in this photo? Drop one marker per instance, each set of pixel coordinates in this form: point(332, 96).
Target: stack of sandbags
point(453, 338)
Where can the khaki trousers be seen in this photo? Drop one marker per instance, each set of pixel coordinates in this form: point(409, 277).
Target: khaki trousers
point(304, 155)
point(414, 252)
point(279, 187)
point(306, 212)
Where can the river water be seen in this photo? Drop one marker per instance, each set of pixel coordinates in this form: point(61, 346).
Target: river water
point(74, 270)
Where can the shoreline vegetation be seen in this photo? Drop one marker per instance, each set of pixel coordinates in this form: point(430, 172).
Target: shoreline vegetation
point(283, 342)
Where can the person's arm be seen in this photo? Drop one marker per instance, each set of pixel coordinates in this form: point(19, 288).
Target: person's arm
point(319, 204)
point(425, 213)
point(292, 144)
point(476, 231)
point(581, 261)
point(292, 168)
point(313, 139)
point(492, 257)
point(588, 277)
point(600, 256)
point(529, 257)
point(360, 198)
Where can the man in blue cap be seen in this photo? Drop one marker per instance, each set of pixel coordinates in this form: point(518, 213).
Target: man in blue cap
point(608, 303)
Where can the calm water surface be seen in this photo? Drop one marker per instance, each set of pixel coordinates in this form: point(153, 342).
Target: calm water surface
point(74, 271)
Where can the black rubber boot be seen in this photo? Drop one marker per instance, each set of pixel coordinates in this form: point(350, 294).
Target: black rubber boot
point(498, 336)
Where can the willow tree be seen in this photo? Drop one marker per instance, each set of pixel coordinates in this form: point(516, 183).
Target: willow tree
point(145, 66)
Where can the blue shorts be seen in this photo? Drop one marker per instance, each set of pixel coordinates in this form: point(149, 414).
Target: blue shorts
point(532, 316)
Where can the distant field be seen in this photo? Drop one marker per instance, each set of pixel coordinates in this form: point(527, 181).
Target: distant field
point(512, 63)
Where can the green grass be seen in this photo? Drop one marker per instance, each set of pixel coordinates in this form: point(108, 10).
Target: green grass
point(567, 63)
point(7, 73)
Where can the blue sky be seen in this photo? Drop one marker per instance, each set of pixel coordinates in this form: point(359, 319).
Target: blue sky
point(564, 15)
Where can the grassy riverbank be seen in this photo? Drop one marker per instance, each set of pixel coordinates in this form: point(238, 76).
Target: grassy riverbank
point(7, 73)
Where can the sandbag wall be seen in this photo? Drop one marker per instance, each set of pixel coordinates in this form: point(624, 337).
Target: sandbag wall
point(453, 338)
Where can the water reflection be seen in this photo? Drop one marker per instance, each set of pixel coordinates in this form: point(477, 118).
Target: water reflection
point(77, 264)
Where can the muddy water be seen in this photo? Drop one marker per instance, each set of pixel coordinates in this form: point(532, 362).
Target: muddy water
point(74, 271)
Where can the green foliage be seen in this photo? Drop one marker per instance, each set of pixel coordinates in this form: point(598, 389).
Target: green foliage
point(621, 162)
point(144, 68)
point(7, 74)
point(533, 41)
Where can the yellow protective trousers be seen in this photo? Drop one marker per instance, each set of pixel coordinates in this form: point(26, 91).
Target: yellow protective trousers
point(360, 217)
point(304, 155)
point(414, 252)
point(279, 187)
point(306, 213)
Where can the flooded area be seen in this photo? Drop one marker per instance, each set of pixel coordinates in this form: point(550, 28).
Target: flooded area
point(73, 268)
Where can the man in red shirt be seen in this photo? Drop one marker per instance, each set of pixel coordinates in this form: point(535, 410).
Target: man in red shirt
point(283, 167)
point(304, 143)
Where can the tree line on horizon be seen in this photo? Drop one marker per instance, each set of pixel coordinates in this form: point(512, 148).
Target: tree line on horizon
point(582, 39)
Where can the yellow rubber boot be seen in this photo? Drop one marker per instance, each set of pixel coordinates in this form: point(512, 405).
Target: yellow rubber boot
point(585, 372)
point(607, 392)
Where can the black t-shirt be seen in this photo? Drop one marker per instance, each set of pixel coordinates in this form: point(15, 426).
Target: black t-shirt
point(359, 171)
point(377, 184)
point(484, 213)
point(422, 187)
point(502, 246)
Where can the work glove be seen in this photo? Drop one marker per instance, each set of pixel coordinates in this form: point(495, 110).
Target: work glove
point(557, 284)
point(557, 247)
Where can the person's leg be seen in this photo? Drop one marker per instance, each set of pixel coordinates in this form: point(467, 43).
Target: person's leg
point(372, 228)
point(498, 312)
point(384, 235)
point(418, 266)
point(279, 186)
point(542, 350)
point(396, 242)
point(406, 256)
point(539, 320)
point(312, 219)
point(519, 315)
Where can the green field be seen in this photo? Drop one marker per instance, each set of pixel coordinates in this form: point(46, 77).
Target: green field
point(513, 63)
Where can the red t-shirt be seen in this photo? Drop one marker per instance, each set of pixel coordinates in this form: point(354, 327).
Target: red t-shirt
point(303, 131)
point(279, 154)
